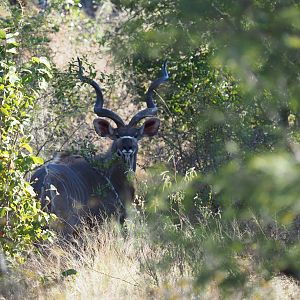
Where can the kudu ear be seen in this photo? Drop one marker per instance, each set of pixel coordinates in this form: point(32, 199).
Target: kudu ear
point(150, 127)
point(103, 128)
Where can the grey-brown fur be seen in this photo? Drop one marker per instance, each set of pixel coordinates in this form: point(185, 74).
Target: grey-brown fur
point(72, 188)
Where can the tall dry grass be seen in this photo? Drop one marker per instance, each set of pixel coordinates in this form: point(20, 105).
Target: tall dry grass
point(106, 263)
point(109, 264)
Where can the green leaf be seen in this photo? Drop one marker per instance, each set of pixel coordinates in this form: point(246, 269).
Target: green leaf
point(12, 75)
point(4, 111)
point(10, 35)
point(12, 41)
point(45, 61)
point(27, 71)
point(27, 147)
point(12, 50)
point(35, 60)
point(2, 34)
point(37, 160)
point(45, 72)
point(69, 272)
point(3, 211)
point(13, 78)
point(292, 41)
point(30, 190)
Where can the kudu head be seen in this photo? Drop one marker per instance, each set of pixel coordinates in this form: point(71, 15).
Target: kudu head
point(126, 136)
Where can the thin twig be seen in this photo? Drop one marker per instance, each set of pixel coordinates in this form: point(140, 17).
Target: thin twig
point(165, 104)
point(114, 277)
point(150, 270)
point(47, 140)
point(70, 135)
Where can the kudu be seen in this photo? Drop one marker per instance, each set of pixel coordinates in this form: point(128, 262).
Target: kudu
point(73, 188)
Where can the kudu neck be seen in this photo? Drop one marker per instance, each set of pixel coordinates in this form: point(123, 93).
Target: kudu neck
point(119, 174)
point(119, 169)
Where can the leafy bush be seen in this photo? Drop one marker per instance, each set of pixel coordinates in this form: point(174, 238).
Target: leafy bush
point(230, 112)
point(255, 233)
point(40, 114)
point(22, 221)
point(230, 127)
point(207, 122)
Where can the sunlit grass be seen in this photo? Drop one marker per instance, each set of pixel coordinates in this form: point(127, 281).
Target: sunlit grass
point(106, 263)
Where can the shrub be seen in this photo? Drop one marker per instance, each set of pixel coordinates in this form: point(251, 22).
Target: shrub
point(22, 221)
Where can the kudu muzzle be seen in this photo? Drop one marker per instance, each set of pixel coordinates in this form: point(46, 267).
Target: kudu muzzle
point(127, 151)
point(128, 157)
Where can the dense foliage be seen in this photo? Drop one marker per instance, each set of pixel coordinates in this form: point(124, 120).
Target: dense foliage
point(225, 194)
point(37, 103)
point(231, 113)
point(22, 221)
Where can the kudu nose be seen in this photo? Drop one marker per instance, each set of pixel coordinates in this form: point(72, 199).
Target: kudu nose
point(127, 154)
point(127, 148)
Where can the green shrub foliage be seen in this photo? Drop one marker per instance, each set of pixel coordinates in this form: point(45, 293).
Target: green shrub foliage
point(21, 220)
point(230, 113)
point(227, 194)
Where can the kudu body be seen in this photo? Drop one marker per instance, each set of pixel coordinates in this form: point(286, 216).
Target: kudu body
point(73, 188)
